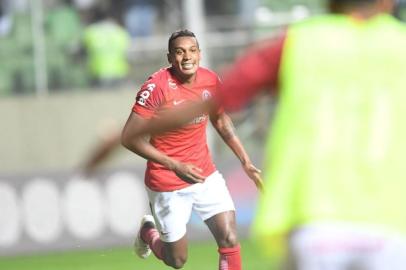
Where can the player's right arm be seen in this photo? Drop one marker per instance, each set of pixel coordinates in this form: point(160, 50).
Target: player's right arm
point(140, 145)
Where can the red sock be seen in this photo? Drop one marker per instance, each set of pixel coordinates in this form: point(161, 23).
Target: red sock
point(230, 258)
point(151, 237)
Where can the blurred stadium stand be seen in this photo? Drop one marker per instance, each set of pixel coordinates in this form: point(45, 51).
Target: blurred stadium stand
point(228, 30)
point(227, 26)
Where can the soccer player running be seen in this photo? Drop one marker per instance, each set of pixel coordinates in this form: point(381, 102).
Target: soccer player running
point(180, 175)
point(335, 177)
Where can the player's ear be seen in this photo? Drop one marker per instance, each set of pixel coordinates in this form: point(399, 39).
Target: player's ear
point(168, 57)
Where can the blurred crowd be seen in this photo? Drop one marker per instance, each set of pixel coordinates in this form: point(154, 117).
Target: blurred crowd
point(85, 42)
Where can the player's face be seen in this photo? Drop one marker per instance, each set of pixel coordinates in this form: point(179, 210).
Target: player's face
point(184, 57)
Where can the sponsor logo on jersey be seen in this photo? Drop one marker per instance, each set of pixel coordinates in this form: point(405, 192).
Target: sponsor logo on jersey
point(145, 93)
point(198, 120)
point(172, 84)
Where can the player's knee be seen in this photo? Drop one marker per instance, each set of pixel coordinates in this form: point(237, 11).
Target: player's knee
point(229, 240)
point(176, 262)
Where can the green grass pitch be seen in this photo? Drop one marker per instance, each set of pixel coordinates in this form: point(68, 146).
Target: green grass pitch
point(202, 256)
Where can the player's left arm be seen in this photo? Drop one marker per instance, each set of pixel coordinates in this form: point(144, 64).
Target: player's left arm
point(224, 126)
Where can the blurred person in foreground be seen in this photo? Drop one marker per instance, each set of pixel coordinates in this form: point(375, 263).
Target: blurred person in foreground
point(180, 175)
point(335, 175)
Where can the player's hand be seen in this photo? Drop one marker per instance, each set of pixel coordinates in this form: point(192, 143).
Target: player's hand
point(189, 173)
point(254, 174)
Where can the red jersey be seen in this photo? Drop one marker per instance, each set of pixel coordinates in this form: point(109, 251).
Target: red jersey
point(187, 144)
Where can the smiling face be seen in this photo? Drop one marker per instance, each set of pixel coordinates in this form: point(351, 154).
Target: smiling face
point(184, 56)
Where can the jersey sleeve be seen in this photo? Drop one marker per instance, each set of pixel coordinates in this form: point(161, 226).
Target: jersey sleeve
point(256, 70)
point(149, 98)
point(220, 108)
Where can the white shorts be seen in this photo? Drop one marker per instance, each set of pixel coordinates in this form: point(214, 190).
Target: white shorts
point(172, 210)
point(346, 247)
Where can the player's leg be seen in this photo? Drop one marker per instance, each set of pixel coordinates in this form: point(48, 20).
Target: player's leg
point(223, 228)
point(167, 238)
point(214, 205)
point(173, 254)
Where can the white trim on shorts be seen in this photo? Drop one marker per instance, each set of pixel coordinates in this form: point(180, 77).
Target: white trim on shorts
point(172, 210)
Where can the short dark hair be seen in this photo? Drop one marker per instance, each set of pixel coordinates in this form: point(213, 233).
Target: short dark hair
point(340, 6)
point(352, 1)
point(180, 33)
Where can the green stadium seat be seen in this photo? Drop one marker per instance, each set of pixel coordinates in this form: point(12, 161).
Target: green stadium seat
point(63, 38)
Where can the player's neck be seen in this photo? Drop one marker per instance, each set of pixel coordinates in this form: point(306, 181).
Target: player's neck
point(185, 80)
point(189, 82)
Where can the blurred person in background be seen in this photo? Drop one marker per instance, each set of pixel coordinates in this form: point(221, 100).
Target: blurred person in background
point(106, 44)
point(400, 11)
point(64, 29)
point(181, 176)
point(335, 178)
point(86, 9)
point(139, 17)
point(6, 21)
point(246, 11)
point(63, 25)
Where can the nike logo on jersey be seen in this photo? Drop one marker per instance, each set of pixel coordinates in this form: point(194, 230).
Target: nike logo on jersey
point(177, 102)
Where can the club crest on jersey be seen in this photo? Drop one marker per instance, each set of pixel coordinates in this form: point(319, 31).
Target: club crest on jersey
point(206, 94)
point(172, 84)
